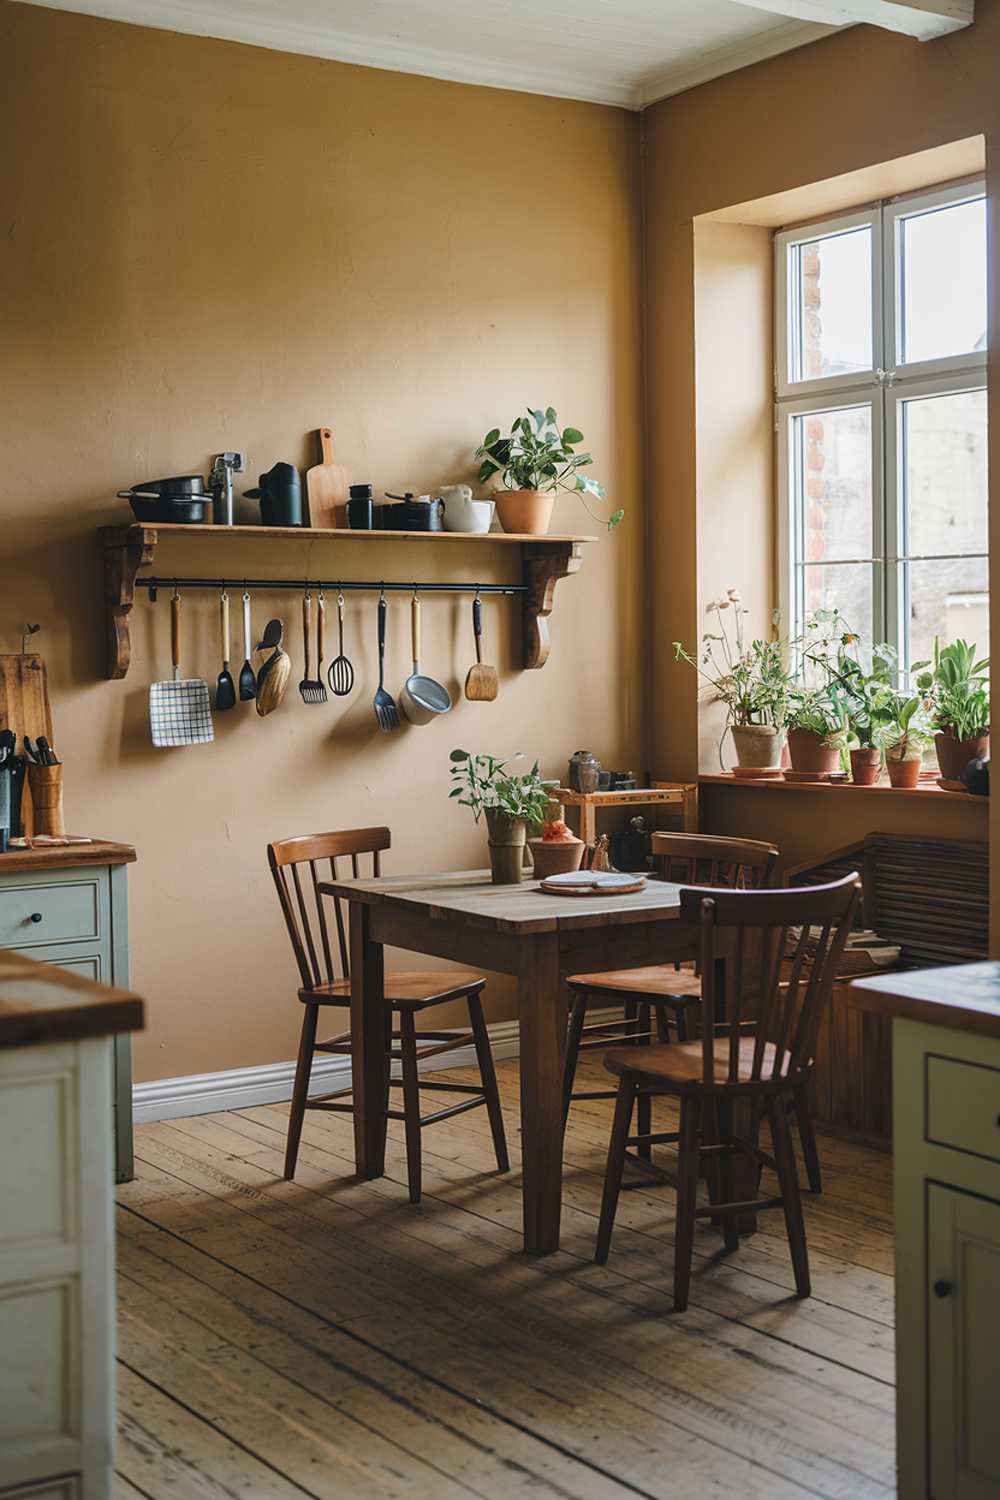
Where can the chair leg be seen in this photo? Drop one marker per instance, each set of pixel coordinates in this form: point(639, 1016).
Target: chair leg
point(687, 1193)
point(788, 1180)
point(807, 1136)
point(577, 1017)
point(411, 1100)
point(682, 1022)
point(300, 1090)
point(615, 1167)
point(644, 1110)
point(487, 1072)
point(730, 1228)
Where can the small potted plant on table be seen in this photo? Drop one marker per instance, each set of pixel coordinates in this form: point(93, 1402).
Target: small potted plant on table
point(558, 851)
point(905, 737)
point(750, 679)
point(958, 689)
point(530, 465)
point(510, 803)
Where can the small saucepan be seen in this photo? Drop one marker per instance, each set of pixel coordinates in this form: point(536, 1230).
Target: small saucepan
point(423, 698)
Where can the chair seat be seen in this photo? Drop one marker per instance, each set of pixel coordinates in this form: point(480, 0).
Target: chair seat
point(409, 989)
point(655, 981)
point(677, 1067)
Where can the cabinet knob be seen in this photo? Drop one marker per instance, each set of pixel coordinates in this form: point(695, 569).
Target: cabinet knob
point(943, 1288)
point(36, 916)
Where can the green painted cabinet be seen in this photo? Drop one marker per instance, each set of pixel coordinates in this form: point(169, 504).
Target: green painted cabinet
point(76, 915)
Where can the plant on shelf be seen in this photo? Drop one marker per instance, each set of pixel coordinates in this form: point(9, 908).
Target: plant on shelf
point(535, 460)
point(868, 698)
point(749, 678)
point(819, 728)
point(957, 687)
point(509, 802)
point(904, 737)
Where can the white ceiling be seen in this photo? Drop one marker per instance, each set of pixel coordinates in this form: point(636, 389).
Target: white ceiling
point(625, 52)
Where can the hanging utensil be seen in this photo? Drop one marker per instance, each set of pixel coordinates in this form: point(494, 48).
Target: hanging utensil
point(320, 644)
point(225, 688)
point(274, 675)
point(311, 688)
point(248, 678)
point(179, 710)
point(422, 698)
point(385, 707)
point(482, 683)
point(341, 673)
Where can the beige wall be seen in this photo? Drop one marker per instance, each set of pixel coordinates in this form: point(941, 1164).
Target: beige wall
point(852, 101)
point(211, 246)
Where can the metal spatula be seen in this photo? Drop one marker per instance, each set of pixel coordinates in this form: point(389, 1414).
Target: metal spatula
point(385, 707)
point(311, 688)
point(179, 710)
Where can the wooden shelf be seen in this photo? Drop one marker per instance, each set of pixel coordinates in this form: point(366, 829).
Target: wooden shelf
point(127, 549)
point(881, 789)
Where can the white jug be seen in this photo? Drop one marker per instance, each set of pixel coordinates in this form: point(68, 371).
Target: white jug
point(462, 513)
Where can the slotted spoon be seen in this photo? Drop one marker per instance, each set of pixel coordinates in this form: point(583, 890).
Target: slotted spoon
point(341, 673)
point(385, 706)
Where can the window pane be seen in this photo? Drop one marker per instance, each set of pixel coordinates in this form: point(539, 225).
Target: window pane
point(943, 282)
point(843, 586)
point(832, 306)
point(944, 473)
point(946, 599)
point(833, 475)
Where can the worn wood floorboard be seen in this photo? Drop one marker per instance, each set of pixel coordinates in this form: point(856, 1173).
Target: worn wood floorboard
point(325, 1337)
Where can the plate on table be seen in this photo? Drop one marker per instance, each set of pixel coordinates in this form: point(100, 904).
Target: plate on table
point(593, 883)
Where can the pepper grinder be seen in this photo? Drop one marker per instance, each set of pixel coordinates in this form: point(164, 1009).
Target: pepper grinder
point(221, 482)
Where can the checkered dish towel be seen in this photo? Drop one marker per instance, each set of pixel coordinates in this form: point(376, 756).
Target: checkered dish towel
point(180, 712)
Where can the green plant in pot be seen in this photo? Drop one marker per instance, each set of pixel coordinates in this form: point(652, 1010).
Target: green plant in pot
point(509, 803)
point(819, 728)
point(957, 687)
point(868, 698)
point(748, 678)
point(530, 465)
point(904, 737)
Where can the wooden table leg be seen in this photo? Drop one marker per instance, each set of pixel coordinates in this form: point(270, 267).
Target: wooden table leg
point(543, 1016)
point(369, 1052)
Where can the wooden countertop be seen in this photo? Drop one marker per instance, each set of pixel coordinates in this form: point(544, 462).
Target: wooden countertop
point(66, 856)
point(965, 997)
point(43, 1003)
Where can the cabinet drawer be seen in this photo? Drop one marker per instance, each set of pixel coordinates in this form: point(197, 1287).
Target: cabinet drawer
point(963, 1106)
point(33, 915)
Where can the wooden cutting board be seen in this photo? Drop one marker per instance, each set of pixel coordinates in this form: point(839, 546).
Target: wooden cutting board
point(327, 486)
point(24, 707)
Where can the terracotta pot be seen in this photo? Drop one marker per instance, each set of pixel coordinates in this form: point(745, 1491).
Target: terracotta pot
point(904, 773)
point(508, 837)
point(527, 512)
point(866, 765)
point(758, 745)
point(954, 755)
point(556, 856)
point(809, 752)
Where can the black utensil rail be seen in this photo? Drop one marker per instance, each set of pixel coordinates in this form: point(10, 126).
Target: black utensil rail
point(323, 585)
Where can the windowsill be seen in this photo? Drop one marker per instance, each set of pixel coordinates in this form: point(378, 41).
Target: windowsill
point(840, 789)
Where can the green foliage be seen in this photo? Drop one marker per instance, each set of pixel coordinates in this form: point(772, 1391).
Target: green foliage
point(483, 782)
point(536, 455)
point(906, 734)
point(750, 679)
point(957, 687)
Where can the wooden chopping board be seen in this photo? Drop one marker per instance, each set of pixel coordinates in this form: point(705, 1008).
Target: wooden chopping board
point(24, 707)
point(327, 486)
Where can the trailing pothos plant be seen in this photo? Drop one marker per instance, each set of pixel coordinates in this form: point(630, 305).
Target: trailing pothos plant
point(537, 455)
point(483, 783)
point(957, 687)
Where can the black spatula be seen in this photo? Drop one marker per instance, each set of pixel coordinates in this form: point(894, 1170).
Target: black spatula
point(225, 688)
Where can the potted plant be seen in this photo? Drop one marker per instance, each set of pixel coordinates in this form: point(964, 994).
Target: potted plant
point(749, 679)
point(869, 700)
point(818, 730)
point(958, 689)
point(509, 802)
point(904, 737)
point(530, 465)
point(558, 851)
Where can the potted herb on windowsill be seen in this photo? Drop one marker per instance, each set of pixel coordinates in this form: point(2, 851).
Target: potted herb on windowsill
point(958, 690)
point(905, 737)
point(818, 731)
point(531, 465)
point(509, 803)
point(869, 700)
point(750, 679)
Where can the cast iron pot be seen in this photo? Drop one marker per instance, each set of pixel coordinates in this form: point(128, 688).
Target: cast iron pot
point(180, 499)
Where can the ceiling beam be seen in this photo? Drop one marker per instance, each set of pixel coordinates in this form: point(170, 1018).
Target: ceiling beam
point(923, 19)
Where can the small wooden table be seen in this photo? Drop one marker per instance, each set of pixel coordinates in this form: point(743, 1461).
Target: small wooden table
point(680, 794)
point(512, 930)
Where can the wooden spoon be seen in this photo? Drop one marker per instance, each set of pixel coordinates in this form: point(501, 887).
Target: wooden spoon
point(483, 683)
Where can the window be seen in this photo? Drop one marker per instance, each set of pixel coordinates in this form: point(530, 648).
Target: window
point(880, 391)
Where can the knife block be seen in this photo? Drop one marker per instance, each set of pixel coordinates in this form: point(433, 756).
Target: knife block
point(46, 783)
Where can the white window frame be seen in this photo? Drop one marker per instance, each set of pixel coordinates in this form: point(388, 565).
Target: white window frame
point(882, 387)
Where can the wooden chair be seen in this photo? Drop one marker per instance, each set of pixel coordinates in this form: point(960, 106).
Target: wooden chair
point(661, 991)
point(757, 1062)
point(325, 982)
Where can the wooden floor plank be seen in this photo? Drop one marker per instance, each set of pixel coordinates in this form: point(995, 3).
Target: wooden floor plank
point(416, 1351)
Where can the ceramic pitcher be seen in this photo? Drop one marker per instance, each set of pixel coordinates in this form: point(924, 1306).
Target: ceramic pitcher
point(462, 513)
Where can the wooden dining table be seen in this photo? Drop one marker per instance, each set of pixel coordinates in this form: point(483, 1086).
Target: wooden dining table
point(541, 939)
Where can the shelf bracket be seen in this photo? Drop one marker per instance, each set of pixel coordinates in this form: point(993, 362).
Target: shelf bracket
point(542, 566)
point(126, 550)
